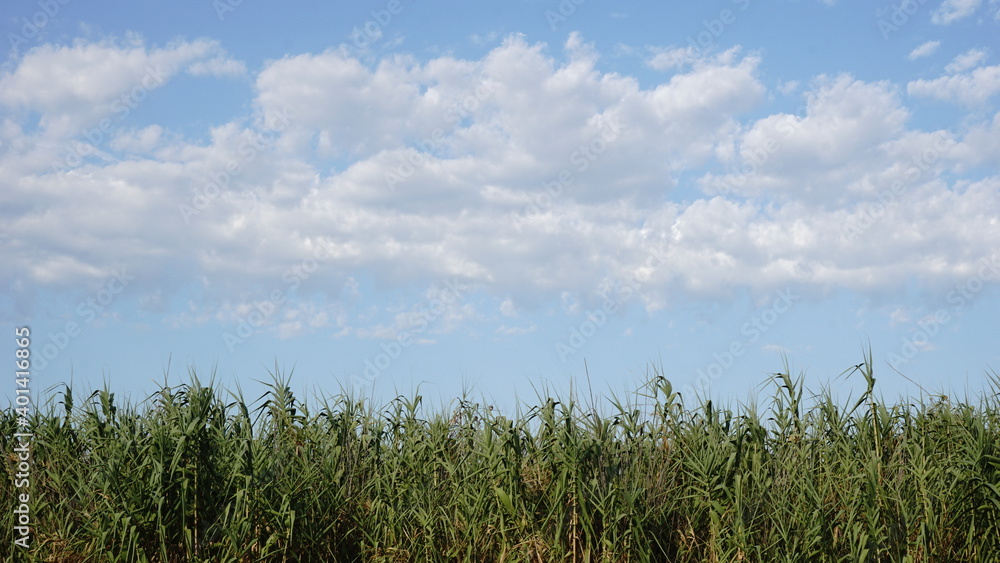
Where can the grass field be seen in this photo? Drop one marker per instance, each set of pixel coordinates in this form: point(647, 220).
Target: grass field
point(201, 474)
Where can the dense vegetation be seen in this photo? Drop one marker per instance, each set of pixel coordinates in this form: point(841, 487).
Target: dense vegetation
point(199, 474)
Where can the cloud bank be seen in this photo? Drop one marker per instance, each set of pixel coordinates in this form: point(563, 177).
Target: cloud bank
point(529, 174)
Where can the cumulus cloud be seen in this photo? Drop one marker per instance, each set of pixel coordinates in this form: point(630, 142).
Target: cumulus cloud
point(966, 82)
point(951, 11)
point(72, 87)
point(529, 175)
point(965, 61)
point(671, 58)
point(814, 156)
point(981, 145)
point(924, 50)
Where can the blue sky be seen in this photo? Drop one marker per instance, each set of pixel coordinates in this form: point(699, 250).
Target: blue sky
point(502, 197)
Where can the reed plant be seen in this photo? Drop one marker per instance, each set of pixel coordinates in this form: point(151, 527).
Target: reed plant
point(196, 473)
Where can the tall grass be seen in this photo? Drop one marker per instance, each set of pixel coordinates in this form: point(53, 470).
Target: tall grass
point(199, 474)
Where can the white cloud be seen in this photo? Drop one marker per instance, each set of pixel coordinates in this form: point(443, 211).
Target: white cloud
point(965, 61)
point(814, 156)
point(673, 58)
point(462, 211)
point(953, 10)
point(789, 87)
point(218, 66)
point(516, 330)
point(971, 89)
point(98, 80)
point(141, 141)
point(301, 318)
point(980, 146)
point(507, 308)
point(924, 50)
point(483, 40)
point(899, 315)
